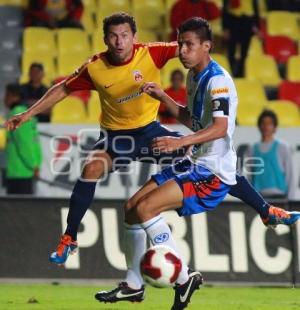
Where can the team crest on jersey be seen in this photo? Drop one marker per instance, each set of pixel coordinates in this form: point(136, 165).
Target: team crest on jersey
point(137, 75)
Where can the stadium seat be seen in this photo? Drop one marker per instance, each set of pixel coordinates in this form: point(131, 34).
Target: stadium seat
point(286, 111)
point(68, 63)
point(71, 110)
point(87, 21)
point(110, 7)
point(39, 39)
point(280, 47)
point(19, 3)
point(2, 138)
point(46, 59)
point(98, 42)
point(248, 115)
point(282, 23)
point(10, 40)
point(170, 66)
point(222, 60)
point(293, 72)
point(149, 14)
point(74, 40)
point(263, 68)
point(11, 16)
point(170, 3)
point(250, 93)
point(146, 36)
point(94, 108)
point(255, 48)
point(290, 91)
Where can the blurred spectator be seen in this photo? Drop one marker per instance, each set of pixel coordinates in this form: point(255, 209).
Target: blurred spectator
point(176, 91)
point(184, 9)
point(240, 22)
point(283, 5)
point(23, 150)
point(54, 13)
point(275, 179)
point(34, 89)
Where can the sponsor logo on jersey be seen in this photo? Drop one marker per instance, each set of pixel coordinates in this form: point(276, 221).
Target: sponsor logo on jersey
point(161, 238)
point(221, 90)
point(216, 105)
point(129, 97)
point(137, 75)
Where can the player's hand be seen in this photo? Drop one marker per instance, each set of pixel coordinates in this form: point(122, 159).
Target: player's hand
point(36, 173)
point(153, 90)
point(167, 144)
point(16, 121)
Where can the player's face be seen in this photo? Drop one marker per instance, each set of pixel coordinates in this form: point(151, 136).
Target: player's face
point(192, 52)
point(267, 127)
point(119, 41)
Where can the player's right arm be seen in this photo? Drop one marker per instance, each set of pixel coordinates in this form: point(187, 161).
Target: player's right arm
point(179, 112)
point(79, 80)
point(55, 94)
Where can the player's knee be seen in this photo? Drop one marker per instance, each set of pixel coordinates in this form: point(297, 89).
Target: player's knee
point(142, 209)
point(129, 205)
point(92, 170)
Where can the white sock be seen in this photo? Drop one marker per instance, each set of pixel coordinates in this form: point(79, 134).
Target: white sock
point(135, 240)
point(160, 234)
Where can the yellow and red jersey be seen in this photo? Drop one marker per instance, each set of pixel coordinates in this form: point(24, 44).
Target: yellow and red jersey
point(123, 105)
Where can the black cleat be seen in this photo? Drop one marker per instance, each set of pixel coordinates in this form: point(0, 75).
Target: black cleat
point(184, 292)
point(122, 293)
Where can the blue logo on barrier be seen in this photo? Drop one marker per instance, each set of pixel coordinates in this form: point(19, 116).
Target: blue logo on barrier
point(161, 238)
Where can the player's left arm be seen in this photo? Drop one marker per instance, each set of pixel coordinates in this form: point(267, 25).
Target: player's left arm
point(217, 130)
point(218, 90)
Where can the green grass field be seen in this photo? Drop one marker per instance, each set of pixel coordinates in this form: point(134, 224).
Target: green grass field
point(67, 297)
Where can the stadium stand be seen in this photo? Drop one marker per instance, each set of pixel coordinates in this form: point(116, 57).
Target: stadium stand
point(167, 70)
point(48, 61)
point(287, 112)
point(255, 48)
point(280, 47)
point(149, 14)
point(74, 40)
point(11, 17)
point(244, 118)
point(290, 91)
point(222, 60)
point(10, 40)
point(109, 7)
point(293, 72)
point(282, 23)
point(68, 63)
point(98, 44)
point(93, 108)
point(63, 114)
point(39, 40)
point(263, 68)
point(250, 93)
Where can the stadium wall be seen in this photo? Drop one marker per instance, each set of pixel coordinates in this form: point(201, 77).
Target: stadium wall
point(65, 148)
point(228, 245)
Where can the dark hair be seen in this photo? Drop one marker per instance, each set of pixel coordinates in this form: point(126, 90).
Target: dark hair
point(267, 113)
point(175, 72)
point(198, 25)
point(37, 65)
point(14, 89)
point(117, 19)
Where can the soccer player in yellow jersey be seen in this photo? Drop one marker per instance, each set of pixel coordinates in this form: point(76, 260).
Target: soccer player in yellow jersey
point(128, 127)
